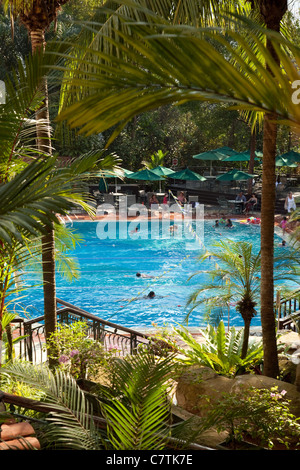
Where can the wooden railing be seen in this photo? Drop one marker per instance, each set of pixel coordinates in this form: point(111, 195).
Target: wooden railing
point(288, 312)
point(114, 337)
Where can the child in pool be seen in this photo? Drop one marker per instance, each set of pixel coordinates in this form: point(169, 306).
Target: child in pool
point(283, 224)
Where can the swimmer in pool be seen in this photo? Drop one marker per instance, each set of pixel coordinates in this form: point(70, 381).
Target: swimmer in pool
point(173, 228)
point(145, 276)
point(152, 294)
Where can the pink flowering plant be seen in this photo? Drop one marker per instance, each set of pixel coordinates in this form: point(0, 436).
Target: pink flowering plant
point(75, 352)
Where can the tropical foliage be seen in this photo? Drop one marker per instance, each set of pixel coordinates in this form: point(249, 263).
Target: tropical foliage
point(221, 350)
point(262, 415)
point(172, 82)
point(135, 409)
point(234, 279)
point(35, 191)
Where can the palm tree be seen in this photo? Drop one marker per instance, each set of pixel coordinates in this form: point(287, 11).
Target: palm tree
point(163, 63)
point(272, 12)
point(37, 16)
point(156, 159)
point(236, 280)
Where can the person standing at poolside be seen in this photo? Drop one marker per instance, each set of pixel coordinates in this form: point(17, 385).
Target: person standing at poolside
point(289, 203)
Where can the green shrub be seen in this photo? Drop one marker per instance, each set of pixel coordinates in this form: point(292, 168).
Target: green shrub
point(262, 414)
point(75, 352)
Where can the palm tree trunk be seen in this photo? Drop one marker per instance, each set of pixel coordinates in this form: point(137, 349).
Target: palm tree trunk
point(271, 368)
point(49, 285)
point(246, 338)
point(48, 241)
point(272, 11)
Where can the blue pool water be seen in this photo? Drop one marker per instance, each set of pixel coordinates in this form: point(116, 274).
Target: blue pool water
point(108, 281)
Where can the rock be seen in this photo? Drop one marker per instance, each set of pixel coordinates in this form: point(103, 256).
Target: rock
point(287, 370)
point(198, 383)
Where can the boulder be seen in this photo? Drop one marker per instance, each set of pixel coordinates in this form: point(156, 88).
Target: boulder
point(196, 384)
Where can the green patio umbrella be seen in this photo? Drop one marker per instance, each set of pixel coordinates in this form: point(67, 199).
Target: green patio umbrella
point(104, 174)
point(292, 155)
point(288, 159)
point(146, 175)
point(240, 157)
point(162, 171)
point(227, 151)
point(285, 161)
point(215, 155)
point(187, 175)
point(235, 175)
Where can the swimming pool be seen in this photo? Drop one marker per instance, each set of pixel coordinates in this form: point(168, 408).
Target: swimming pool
point(109, 288)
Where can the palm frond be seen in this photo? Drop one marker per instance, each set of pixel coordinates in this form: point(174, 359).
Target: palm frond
point(69, 425)
point(174, 64)
point(138, 417)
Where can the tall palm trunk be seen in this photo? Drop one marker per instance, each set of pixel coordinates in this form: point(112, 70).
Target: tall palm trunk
point(267, 248)
point(48, 242)
point(272, 12)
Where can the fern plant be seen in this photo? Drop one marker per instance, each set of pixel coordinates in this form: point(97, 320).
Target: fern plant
point(135, 406)
point(221, 351)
